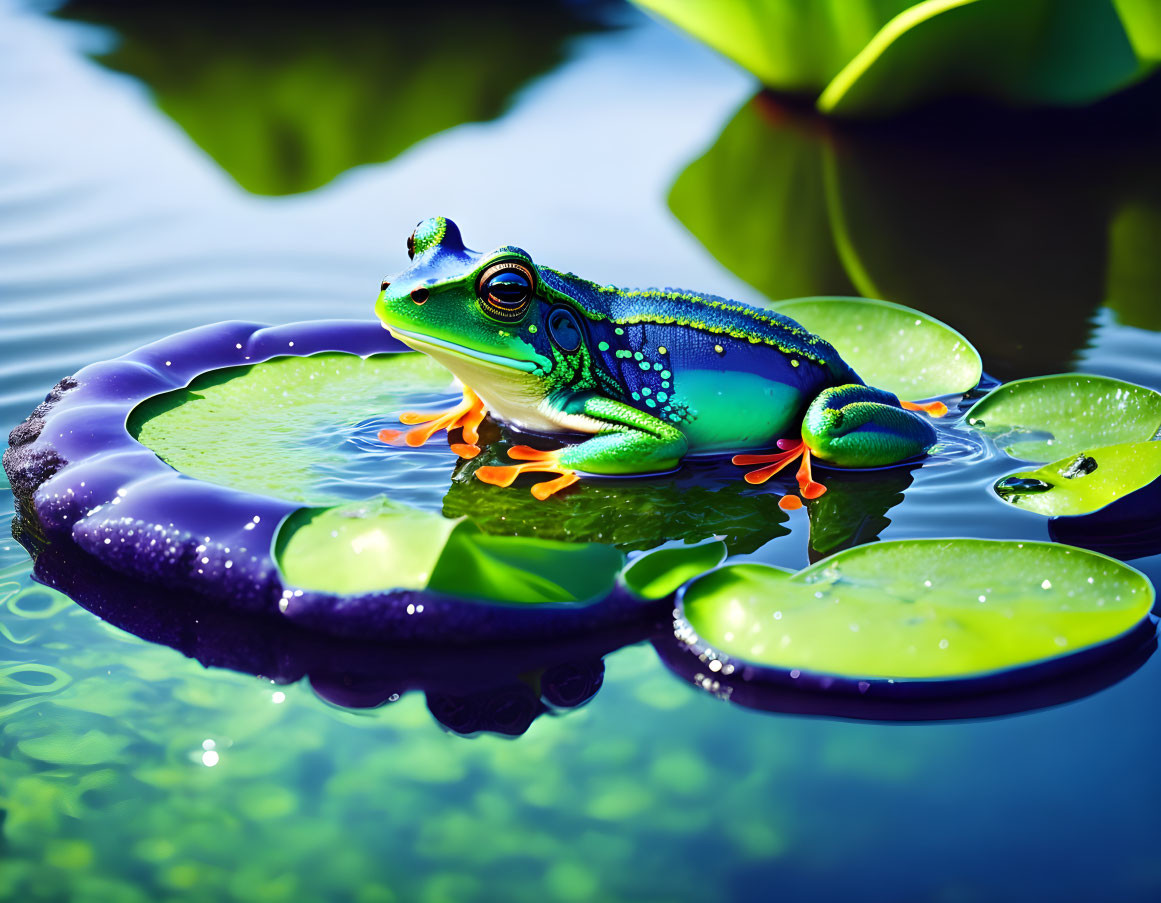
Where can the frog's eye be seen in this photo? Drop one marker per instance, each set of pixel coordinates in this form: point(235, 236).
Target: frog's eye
point(411, 246)
point(564, 329)
point(506, 290)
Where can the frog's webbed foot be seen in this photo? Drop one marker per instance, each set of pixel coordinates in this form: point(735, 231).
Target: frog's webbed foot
point(532, 460)
point(467, 416)
point(791, 450)
point(934, 408)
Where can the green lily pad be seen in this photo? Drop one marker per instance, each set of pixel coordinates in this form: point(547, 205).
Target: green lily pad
point(1049, 417)
point(361, 547)
point(929, 609)
point(1085, 482)
point(891, 346)
point(383, 545)
point(275, 428)
point(659, 573)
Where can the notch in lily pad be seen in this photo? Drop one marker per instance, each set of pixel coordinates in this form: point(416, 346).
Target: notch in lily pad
point(1048, 418)
point(939, 614)
point(891, 346)
point(1085, 482)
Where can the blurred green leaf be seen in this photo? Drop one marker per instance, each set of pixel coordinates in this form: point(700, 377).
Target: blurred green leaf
point(919, 609)
point(891, 346)
point(864, 58)
point(1047, 417)
point(286, 98)
point(1084, 482)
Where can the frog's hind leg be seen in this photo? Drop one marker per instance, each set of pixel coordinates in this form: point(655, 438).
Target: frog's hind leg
point(467, 415)
point(860, 426)
point(849, 426)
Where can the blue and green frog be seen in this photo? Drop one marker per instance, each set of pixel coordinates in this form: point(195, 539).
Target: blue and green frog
point(642, 379)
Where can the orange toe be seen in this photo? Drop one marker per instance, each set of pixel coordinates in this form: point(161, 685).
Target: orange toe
point(790, 503)
point(533, 460)
point(464, 450)
point(934, 408)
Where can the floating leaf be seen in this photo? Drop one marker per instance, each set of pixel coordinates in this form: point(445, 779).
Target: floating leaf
point(1049, 417)
point(383, 545)
point(1084, 482)
point(362, 547)
point(891, 346)
point(515, 570)
point(659, 573)
point(919, 609)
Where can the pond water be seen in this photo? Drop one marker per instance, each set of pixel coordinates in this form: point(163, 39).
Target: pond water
point(156, 178)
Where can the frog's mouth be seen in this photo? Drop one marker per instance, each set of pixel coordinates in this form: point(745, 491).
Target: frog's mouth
point(439, 348)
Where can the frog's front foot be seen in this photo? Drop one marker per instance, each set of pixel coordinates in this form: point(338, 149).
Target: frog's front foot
point(533, 461)
point(467, 415)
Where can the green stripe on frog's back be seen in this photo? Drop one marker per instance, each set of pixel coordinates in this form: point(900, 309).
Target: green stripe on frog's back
point(708, 313)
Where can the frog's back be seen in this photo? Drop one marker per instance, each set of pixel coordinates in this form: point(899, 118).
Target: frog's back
point(729, 374)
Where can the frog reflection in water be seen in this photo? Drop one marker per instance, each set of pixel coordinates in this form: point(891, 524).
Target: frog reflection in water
point(650, 376)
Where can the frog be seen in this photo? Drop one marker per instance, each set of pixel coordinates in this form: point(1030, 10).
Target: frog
point(631, 382)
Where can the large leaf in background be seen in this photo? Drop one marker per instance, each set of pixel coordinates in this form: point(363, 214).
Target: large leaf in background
point(866, 58)
point(797, 209)
point(286, 98)
point(1032, 52)
point(756, 200)
point(791, 45)
point(926, 609)
point(1084, 482)
point(1050, 417)
point(891, 346)
point(1134, 278)
point(382, 545)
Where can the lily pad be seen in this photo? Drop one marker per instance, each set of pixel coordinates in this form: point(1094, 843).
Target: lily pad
point(917, 610)
point(277, 427)
point(891, 346)
point(1049, 417)
point(383, 545)
point(1084, 482)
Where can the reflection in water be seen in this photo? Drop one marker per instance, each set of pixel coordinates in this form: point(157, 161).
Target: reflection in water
point(286, 97)
point(1042, 686)
point(497, 689)
point(967, 215)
